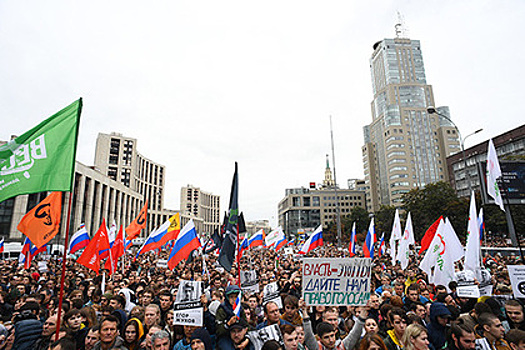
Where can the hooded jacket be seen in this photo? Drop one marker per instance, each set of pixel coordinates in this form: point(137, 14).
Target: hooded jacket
point(436, 332)
point(27, 332)
point(135, 345)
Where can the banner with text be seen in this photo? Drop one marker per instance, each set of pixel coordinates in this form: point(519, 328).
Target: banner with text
point(188, 308)
point(517, 280)
point(337, 282)
point(249, 282)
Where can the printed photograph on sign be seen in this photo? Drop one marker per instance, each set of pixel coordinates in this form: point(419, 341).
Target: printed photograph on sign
point(249, 282)
point(188, 291)
point(261, 336)
point(271, 293)
point(188, 314)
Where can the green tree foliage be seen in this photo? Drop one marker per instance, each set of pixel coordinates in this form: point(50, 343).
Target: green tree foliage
point(432, 201)
point(384, 219)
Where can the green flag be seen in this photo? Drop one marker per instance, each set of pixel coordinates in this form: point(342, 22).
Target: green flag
point(42, 159)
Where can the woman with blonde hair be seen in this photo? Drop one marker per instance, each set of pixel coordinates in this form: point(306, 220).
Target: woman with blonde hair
point(415, 337)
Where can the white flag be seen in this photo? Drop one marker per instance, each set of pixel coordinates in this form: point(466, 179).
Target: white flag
point(439, 259)
point(493, 172)
point(395, 236)
point(472, 256)
point(406, 240)
point(454, 246)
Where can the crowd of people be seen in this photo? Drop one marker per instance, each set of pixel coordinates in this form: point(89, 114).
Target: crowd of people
point(133, 308)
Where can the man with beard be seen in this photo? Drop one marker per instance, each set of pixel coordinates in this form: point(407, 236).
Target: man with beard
point(49, 329)
point(463, 337)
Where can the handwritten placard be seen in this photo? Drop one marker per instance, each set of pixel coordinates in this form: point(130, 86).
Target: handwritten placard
point(337, 282)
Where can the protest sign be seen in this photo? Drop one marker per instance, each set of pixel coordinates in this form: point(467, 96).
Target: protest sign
point(336, 282)
point(162, 263)
point(189, 291)
point(271, 293)
point(485, 282)
point(187, 307)
point(261, 336)
point(249, 281)
point(467, 287)
point(517, 280)
point(188, 314)
point(42, 266)
point(288, 250)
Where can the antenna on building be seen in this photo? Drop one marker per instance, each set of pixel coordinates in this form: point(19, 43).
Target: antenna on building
point(401, 28)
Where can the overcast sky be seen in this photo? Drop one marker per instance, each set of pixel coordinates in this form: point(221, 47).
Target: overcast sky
point(202, 84)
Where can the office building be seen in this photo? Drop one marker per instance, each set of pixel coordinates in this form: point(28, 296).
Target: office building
point(307, 208)
point(404, 147)
point(203, 205)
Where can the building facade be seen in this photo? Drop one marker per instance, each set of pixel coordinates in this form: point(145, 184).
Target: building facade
point(253, 226)
point(304, 209)
point(203, 205)
point(510, 143)
point(405, 147)
point(117, 157)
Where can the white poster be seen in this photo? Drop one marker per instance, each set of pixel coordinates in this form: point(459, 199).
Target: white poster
point(162, 263)
point(189, 291)
point(249, 281)
point(467, 287)
point(188, 314)
point(337, 282)
point(261, 336)
point(517, 280)
point(271, 293)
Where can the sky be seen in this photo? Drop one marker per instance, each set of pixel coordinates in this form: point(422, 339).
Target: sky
point(202, 84)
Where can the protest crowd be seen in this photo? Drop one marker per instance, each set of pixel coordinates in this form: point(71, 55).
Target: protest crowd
point(133, 308)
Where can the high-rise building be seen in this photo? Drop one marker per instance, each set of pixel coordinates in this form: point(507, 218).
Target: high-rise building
point(116, 156)
point(405, 147)
point(204, 205)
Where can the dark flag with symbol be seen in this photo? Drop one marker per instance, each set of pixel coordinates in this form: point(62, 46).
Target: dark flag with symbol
point(229, 244)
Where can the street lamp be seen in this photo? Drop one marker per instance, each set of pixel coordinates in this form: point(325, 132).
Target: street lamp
point(433, 110)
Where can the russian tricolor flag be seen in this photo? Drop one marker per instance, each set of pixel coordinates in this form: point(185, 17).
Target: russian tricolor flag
point(368, 247)
point(186, 242)
point(237, 305)
point(314, 241)
point(280, 244)
point(381, 250)
point(166, 232)
point(243, 246)
point(29, 251)
point(79, 240)
point(353, 241)
point(2, 245)
point(257, 240)
point(481, 224)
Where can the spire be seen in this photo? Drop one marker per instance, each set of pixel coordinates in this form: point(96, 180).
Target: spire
point(401, 28)
point(328, 181)
point(327, 162)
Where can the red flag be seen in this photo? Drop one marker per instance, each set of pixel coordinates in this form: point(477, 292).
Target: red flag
point(118, 247)
point(133, 230)
point(90, 257)
point(429, 235)
point(42, 223)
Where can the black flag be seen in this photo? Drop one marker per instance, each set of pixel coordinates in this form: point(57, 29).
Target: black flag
point(229, 244)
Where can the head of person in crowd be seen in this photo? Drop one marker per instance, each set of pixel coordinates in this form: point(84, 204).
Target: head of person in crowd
point(133, 333)
point(300, 334)
point(515, 314)
point(440, 289)
point(415, 338)
point(413, 292)
point(440, 315)
point(463, 336)
point(161, 340)
point(272, 313)
point(137, 312)
point(152, 330)
point(291, 305)
point(92, 337)
point(375, 302)
point(419, 309)
point(290, 337)
point(238, 333)
point(516, 339)
point(372, 341)
point(397, 318)
point(165, 300)
point(151, 315)
point(272, 345)
point(146, 297)
point(327, 334)
point(200, 340)
point(117, 302)
point(371, 325)
point(50, 326)
point(232, 292)
point(331, 316)
point(65, 343)
point(109, 330)
point(73, 319)
point(491, 327)
point(399, 288)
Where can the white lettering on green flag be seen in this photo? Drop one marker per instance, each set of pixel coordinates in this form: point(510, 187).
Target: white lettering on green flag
point(43, 158)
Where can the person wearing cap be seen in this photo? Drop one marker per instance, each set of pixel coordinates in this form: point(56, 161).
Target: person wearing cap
point(225, 317)
point(440, 316)
point(237, 338)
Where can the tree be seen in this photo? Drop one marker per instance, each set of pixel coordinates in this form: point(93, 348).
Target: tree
point(384, 219)
point(358, 215)
point(432, 201)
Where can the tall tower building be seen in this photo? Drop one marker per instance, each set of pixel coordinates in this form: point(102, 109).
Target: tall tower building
point(405, 147)
point(204, 205)
point(116, 156)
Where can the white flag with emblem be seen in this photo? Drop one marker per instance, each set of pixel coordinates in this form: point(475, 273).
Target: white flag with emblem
point(493, 172)
point(472, 256)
